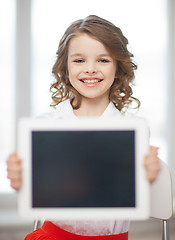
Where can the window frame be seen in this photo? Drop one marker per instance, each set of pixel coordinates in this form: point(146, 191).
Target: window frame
point(22, 71)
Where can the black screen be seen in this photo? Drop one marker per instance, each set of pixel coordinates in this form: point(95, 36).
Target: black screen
point(83, 169)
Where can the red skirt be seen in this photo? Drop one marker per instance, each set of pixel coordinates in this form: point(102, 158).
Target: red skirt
point(50, 231)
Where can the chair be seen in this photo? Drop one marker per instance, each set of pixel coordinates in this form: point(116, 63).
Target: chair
point(161, 201)
point(37, 224)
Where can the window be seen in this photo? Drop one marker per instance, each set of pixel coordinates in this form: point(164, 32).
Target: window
point(7, 90)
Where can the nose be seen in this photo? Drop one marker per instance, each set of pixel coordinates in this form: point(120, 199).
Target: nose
point(90, 68)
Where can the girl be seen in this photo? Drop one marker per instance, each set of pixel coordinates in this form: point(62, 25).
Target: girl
point(94, 73)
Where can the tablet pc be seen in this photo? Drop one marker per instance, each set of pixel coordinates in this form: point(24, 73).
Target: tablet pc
point(83, 169)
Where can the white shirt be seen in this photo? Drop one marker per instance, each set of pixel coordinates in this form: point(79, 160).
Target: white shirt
point(65, 111)
point(88, 228)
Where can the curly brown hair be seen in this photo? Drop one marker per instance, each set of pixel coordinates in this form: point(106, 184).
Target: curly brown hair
point(116, 43)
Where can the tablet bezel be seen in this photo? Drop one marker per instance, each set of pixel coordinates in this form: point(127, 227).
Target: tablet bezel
point(139, 125)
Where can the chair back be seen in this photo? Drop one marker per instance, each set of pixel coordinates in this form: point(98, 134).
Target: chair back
point(161, 195)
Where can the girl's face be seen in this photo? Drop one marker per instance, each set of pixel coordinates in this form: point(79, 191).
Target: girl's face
point(91, 68)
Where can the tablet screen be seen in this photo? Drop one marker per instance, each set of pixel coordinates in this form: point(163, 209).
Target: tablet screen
point(83, 169)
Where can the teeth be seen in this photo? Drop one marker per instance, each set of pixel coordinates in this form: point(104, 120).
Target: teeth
point(91, 81)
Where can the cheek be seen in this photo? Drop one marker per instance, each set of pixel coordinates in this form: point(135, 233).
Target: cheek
point(70, 72)
point(114, 68)
point(111, 73)
point(73, 71)
point(72, 76)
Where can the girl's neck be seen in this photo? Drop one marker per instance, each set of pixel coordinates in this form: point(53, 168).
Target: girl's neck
point(91, 108)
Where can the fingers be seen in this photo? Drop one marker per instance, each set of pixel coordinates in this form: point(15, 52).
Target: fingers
point(152, 164)
point(16, 184)
point(14, 171)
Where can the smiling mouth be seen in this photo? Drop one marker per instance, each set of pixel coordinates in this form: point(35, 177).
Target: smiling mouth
point(91, 81)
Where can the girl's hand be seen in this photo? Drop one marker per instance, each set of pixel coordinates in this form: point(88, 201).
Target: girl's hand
point(152, 164)
point(14, 167)
point(14, 171)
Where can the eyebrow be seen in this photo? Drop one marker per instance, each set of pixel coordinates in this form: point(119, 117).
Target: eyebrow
point(76, 54)
point(80, 54)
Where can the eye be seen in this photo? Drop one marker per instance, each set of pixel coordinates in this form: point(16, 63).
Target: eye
point(79, 60)
point(104, 60)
